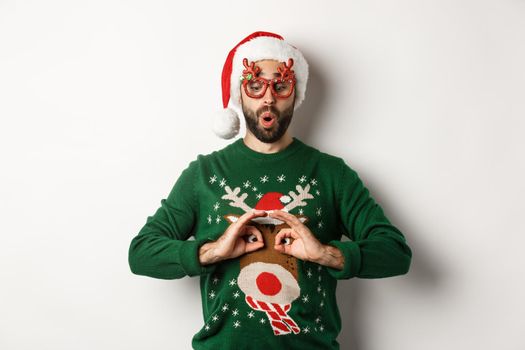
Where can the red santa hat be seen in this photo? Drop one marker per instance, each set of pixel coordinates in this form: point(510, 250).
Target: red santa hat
point(256, 46)
point(269, 202)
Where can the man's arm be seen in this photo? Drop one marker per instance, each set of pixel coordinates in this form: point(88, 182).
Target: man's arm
point(161, 249)
point(377, 248)
point(332, 257)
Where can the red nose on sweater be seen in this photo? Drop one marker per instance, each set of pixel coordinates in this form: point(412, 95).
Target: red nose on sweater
point(268, 283)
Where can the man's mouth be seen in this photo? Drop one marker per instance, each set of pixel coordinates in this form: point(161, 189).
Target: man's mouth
point(268, 119)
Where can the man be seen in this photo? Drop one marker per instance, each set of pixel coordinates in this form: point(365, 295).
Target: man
point(267, 214)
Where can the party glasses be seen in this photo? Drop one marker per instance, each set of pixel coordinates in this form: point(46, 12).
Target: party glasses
point(255, 86)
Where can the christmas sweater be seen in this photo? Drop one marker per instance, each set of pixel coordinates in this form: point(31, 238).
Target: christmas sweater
point(266, 299)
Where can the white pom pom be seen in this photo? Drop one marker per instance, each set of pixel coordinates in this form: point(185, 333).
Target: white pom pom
point(285, 199)
point(226, 123)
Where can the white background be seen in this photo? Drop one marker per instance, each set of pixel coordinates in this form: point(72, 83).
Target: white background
point(104, 103)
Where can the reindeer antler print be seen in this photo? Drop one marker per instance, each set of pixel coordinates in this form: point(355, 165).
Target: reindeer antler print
point(236, 200)
point(251, 70)
point(298, 199)
point(286, 70)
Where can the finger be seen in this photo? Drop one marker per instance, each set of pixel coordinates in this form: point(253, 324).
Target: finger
point(279, 237)
point(250, 247)
point(295, 224)
point(250, 215)
point(248, 230)
point(290, 219)
point(279, 248)
point(285, 249)
point(285, 233)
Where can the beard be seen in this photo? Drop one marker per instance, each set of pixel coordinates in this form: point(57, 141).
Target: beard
point(273, 134)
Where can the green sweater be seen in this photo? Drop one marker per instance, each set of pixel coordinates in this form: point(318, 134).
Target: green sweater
point(265, 299)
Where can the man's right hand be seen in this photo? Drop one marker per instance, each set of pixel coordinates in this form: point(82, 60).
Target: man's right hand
point(231, 243)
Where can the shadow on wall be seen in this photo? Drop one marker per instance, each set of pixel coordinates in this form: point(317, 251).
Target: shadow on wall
point(423, 273)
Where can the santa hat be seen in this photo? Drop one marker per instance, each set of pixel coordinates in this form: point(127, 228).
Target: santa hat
point(269, 202)
point(256, 46)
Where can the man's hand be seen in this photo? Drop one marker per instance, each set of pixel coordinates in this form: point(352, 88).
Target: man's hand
point(232, 242)
point(303, 243)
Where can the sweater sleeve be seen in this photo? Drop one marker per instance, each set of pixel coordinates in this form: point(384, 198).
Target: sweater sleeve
point(376, 248)
point(161, 249)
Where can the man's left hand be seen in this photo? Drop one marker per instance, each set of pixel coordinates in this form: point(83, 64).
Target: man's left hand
point(304, 245)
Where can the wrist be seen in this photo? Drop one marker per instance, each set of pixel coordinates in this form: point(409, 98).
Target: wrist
point(320, 254)
point(207, 253)
point(330, 256)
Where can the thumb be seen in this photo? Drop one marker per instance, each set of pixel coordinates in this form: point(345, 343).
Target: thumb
point(282, 248)
point(250, 247)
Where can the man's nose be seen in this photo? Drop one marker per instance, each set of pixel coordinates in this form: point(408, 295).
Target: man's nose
point(268, 97)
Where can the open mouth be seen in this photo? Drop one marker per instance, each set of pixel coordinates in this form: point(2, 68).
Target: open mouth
point(267, 119)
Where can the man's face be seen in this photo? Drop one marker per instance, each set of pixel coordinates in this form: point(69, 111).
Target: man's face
point(268, 117)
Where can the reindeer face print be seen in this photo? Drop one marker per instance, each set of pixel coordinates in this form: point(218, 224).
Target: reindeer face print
point(267, 274)
point(268, 278)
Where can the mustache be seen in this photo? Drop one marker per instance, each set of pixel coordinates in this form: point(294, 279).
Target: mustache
point(271, 109)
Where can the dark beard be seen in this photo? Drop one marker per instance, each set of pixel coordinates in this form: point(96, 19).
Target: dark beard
point(277, 131)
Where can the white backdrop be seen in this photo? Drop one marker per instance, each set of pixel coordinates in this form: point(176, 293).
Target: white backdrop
point(103, 103)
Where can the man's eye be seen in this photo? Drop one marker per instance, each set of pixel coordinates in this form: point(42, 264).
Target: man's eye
point(251, 238)
point(255, 86)
point(286, 241)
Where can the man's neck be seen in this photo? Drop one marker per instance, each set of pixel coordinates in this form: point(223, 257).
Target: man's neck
point(255, 144)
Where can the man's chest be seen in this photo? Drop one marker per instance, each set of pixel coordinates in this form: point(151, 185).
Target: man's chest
point(307, 192)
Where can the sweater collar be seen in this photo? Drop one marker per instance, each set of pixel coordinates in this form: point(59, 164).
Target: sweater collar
point(293, 147)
